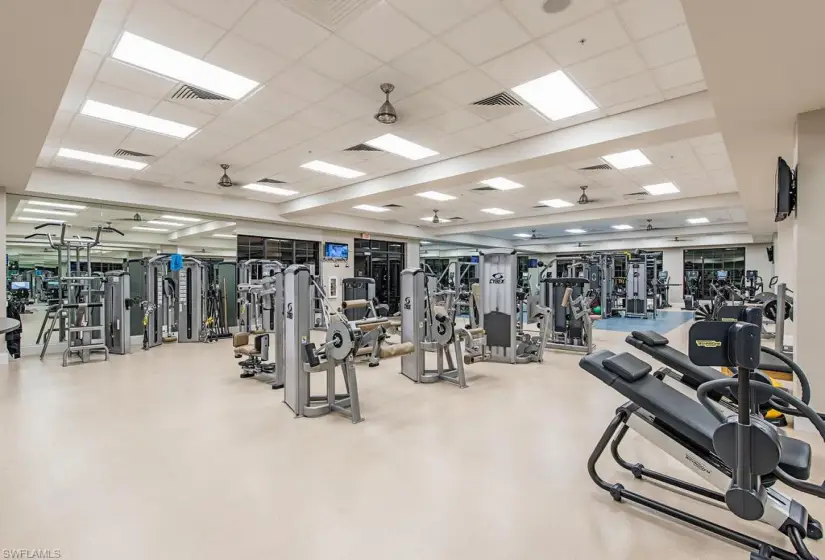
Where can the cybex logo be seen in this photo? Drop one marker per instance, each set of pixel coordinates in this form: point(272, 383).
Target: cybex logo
point(498, 278)
point(289, 314)
point(697, 463)
point(407, 303)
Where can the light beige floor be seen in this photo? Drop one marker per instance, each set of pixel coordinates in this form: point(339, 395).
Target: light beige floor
point(167, 454)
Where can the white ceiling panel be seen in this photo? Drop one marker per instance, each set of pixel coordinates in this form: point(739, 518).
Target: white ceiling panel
point(667, 47)
point(639, 86)
point(149, 143)
point(82, 77)
point(538, 22)
point(94, 135)
point(179, 113)
point(323, 118)
point(340, 61)
point(120, 97)
point(680, 73)
point(437, 16)
point(101, 37)
point(279, 29)
point(422, 106)
point(208, 143)
point(486, 36)
point(597, 34)
point(113, 11)
point(238, 55)
point(369, 85)
point(303, 83)
point(485, 136)
point(222, 13)
point(520, 65)
point(177, 162)
point(60, 125)
point(161, 22)
point(520, 121)
point(468, 87)
point(383, 32)
point(607, 68)
point(687, 89)
point(643, 18)
point(431, 63)
point(243, 121)
point(271, 99)
point(350, 104)
point(455, 120)
point(128, 77)
point(635, 104)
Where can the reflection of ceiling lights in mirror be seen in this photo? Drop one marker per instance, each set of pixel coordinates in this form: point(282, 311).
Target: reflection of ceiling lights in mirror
point(556, 203)
point(99, 158)
point(434, 195)
point(622, 226)
point(168, 62)
point(576, 230)
point(696, 221)
point(52, 212)
point(268, 189)
point(134, 119)
point(497, 211)
point(440, 220)
point(371, 208)
point(225, 235)
point(522, 235)
point(661, 188)
point(141, 228)
point(180, 218)
point(39, 220)
point(56, 204)
point(162, 223)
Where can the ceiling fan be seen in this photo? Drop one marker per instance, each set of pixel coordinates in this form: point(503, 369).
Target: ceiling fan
point(678, 239)
point(584, 199)
point(136, 217)
point(649, 225)
point(225, 181)
point(436, 219)
point(534, 235)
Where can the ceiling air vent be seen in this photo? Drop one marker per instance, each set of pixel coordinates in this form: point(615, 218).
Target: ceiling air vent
point(332, 14)
point(636, 195)
point(455, 218)
point(600, 167)
point(187, 92)
point(271, 181)
point(498, 100)
point(484, 189)
point(130, 153)
point(362, 148)
point(393, 206)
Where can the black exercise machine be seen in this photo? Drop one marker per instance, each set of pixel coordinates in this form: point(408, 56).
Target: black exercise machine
point(741, 455)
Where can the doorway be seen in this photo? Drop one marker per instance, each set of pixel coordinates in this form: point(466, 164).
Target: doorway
point(382, 261)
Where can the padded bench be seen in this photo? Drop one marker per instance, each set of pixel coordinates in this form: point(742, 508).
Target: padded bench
point(628, 375)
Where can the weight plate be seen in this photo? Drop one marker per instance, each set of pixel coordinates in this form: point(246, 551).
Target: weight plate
point(340, 341)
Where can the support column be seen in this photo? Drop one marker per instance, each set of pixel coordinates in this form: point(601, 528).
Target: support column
point(673, 260)
point(4, 355)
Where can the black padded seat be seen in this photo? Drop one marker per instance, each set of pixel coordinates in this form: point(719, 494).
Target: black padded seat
point(693, 375)
point(685, 415)
point(650, 337)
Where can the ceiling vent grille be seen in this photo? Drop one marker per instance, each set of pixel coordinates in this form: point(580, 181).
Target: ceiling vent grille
point(502, 99)
point(484, 189)
point(455, 218)
point(332, 14)
point(265, 180)
point(130, 153)
point(393, 206)
point(600, 167)
point(636, 195)
point(363, 148)
point(187, 92)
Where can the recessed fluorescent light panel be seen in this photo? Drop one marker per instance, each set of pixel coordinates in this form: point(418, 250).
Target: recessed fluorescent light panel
point(400, 147)
point(98, 158)
point(162, 223)
point(556, 203)
point(622, 227)
point(142, 228)
point(627, 160)
point(556, 96)
point(497, 211)
point(522, 235)
point(39, 220)
point(180, 218)
point(52, 212)
point(576, 230)
point(136, 120)
point(330, 169)
point(56, 205)
point(696, 221)
point(370, 208)
point(269, 189)
point(225, 235)
point(426, 242)
point(167, 62)
point(501, 184)
point(432, 195)
point(440, 220)
point(661, 188)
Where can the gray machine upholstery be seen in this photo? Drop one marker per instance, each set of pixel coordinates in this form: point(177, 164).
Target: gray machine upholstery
point(498, 277)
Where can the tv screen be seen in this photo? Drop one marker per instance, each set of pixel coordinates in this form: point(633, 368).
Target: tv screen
point(20, 286)
point(721, 274)
point(770, 253)
point(336, 250)
point(785, 190)
point(474, 259)
point(532, 263)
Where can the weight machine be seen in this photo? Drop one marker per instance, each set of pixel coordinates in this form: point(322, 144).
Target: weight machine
point(570, 323)
point(190, 300)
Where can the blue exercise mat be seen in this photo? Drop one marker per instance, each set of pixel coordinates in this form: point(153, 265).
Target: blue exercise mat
point(665, 322)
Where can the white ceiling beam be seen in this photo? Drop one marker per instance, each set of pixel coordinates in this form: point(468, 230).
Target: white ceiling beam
point(680, 118)
point(477, 241)
point(40, 41)
point(631, 237)
point(206, 229)
point(632, 209)
point(652, 244)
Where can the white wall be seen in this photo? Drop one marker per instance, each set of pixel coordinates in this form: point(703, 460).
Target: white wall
point(673, 261)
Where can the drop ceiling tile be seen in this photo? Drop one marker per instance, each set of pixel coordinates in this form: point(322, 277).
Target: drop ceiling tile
point(485, 136)
point(607, 68)
point(384, 32)
point(437, 16)
point(60, 124)
point(279, 29)
point(468, 87)
point(369, 85)
point(486, 36)
point(94, 135)
point(421, 106)
point(113, 11)
point(323, 118)
point(455, 120)
point(160, 22)
point(520, 65)
point(687, 89)
point(119, 97)
point(340, 61)
point(222, 13)
point(300, 81)
point(643, 18)
point(635, 104)
point(101, 37)
point(430, 63)
point(682, 73)
point(530, 132)
point(209, 142)
point(81, 79)
point(238, 55)
point(622, 91)
point(272, 100)
point(595, 35)
point(149, 143)
point(243, 121)
point(538, 22)
point(181, 114)
point(667, 47)
point(284, 135)
point(350, 104)
point(128, 77)
point(522, 120)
